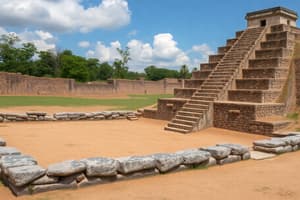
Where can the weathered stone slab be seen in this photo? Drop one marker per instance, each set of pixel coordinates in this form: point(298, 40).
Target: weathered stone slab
point(218, 152)
point(290, 140)
point(236, 149)
point(229, 159)
point(193, 156)
point(258, 155)
point(270, 143)
point(61, 116)
point(2, 142)
point(295, 147)
point(45, 180)
point(37, 113)
point(167, 162)
point(246, 156)
point(276, 150)
point(135, 163)
point(65, 168)
point(9, 151)
point(16, 161)
point(50, 187)
point(20, 176)
point(101, 166)
point(97, 180)
point(138, 174)
point(19, 191)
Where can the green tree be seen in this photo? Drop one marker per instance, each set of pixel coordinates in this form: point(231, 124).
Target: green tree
point(184, 72)
point(105, 71)
point(47, 64)
point(153, 73)
point(120, 65)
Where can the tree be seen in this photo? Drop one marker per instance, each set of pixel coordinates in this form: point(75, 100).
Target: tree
point(46, 65)
point(13, 59)
point(153, 73)
point(184, 72)
point(120, 65)
point(105, 71)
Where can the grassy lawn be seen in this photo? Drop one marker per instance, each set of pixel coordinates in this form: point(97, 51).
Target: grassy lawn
point(131, 103)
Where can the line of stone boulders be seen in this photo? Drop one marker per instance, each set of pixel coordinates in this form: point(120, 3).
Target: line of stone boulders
point(22, 174)
point(278, 145)
point(68, 116)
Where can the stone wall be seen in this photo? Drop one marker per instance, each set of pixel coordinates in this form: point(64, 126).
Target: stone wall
point(18, 84)
point(22, 174)
point(297, 70)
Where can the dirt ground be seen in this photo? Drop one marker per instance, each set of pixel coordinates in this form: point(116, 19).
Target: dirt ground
point(52, 142)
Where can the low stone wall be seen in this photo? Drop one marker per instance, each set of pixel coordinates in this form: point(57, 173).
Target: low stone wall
point(68, 116)
point(278, 145)
point(22, 174)
point(18, 84)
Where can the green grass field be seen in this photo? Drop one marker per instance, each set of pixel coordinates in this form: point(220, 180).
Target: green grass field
point(133, 102)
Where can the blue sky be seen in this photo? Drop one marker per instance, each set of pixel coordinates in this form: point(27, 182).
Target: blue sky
point(166, 33)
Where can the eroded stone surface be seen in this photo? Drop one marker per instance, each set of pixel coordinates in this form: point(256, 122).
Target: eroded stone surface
point(45, 180)
point(101, 166)
point(277, 150)
point(246, 156)
point(270, 143)
point(236, 149)
point(65, 168)
point(20, 176)
point(218, 152)
point(229, 159)
point(16, 161)
point(9, 151)
point(135, 163)
point(166, 162)
point(193, 156)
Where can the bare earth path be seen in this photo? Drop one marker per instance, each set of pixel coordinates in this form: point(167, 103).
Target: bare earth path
point(53, 142)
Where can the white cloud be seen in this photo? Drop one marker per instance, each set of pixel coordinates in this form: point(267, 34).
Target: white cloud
point(203, 51)
point(84, 44)
point(163, 52)
point(64, 15)
point(41, 39)
point(105, 53)
point(132, 33)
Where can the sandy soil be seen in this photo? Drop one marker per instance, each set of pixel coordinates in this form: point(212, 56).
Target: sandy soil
point(274, 179)
point(52, 142)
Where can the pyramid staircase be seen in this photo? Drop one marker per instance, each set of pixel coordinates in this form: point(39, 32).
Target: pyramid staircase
point(196, 113)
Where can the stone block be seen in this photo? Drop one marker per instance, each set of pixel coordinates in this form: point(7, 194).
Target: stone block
point(2, 142)
point(135, 164)
point(167, 162)
point(10, 161)
point(101, 166)
point(276, 150)
point(44, 180)
point(9, 151)
point(193, 156)
point(229, 159)
point(20, 176)
point(246, 156)
point(236, 149)
point(66, 168)
point(218, 152)
point(269, 143)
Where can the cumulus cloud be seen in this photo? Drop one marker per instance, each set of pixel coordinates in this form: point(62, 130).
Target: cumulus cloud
point(64, 15)
point(203, 49)
point(43, 40)
point(163, 52)
point(84, 44)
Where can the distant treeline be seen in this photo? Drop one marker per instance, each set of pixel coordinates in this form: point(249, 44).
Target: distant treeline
point(26, 59)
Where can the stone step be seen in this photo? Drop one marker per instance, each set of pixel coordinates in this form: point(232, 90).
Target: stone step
point(218, 73)
point(211, 87)
point(199, 103)
point(261, 84)
point(205, 98)
point(268, 62)
point(202, 74)
point(208, 66)
point(185, 122)
point(206, 94)
point(215, 83)
point(231, 67)
point(187, 117)
point(193, 83)
point(231, 42)
point(273, 53)
point(180, 126)
point(184, 92)
point(238, 33)
point(278, 44)
point(224, 49)
point(217, 80)
point(280, 36)
point(194, 110)
point(179, 130)
point(255, 96)
point(216, 91)
point(265, 73)
point(189, 114)
point(197, 107)
point(215, 58)
point(280, 28)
